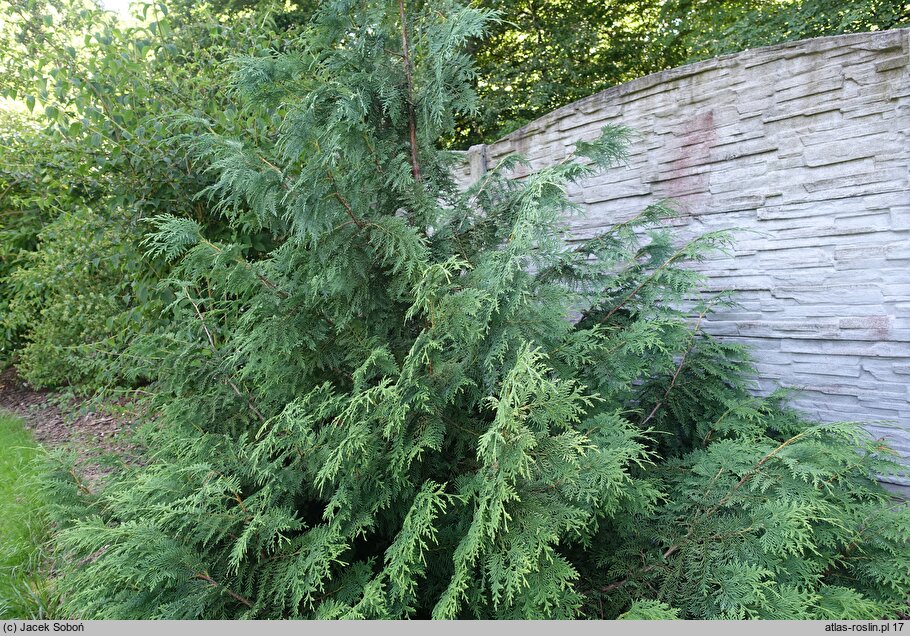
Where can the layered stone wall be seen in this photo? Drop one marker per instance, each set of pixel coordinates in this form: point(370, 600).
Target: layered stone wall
point(804, 148)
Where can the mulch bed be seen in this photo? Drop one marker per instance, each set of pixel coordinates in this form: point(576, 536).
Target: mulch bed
point(66, 422)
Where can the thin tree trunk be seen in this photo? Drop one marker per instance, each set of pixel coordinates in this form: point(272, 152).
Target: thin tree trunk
point(409, 73)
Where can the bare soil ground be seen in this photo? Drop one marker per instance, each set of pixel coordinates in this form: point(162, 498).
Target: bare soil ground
point(66, 422)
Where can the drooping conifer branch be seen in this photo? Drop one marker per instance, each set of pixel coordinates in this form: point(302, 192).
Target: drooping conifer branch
point(214, 349)
point(691, 249)
point(344, 202)
point(246, 265)
point(678, 370)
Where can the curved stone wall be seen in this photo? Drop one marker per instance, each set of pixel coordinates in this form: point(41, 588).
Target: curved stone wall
point(804, 147)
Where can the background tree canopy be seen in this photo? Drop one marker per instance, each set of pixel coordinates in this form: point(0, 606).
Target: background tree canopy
point(543, 54)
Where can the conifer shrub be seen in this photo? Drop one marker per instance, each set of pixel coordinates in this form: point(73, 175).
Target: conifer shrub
point(425, 402)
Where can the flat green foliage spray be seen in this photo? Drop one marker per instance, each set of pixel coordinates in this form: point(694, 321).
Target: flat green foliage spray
point(425, 402)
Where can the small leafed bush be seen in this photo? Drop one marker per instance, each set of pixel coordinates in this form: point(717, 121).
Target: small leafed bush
point(89, 157)
point(77, 299)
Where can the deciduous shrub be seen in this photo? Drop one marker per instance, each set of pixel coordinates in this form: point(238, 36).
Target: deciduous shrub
point(78, 298)
point(35, 186)
point(96, 158)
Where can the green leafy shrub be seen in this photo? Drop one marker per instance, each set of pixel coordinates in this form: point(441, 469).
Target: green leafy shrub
point(93, 162)
point(391, 415)
point(35, 186)
point(78, 298)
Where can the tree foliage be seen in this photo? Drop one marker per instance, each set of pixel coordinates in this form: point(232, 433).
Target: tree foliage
point(97, 158)
point(390, 414)
point(544, 54)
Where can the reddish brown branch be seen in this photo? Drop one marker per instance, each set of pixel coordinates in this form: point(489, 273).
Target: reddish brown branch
point(347, 208)
point(676, 374)
point(409, 74)
point(613, 586)
point(344, 202)
point(234, 595)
